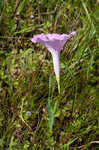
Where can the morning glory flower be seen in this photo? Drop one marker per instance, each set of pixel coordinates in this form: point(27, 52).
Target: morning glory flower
point(54, 43)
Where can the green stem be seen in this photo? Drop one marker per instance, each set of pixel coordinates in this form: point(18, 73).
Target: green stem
point(58, 82)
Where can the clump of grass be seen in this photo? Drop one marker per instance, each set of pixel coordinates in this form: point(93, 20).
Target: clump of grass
point(25, 70)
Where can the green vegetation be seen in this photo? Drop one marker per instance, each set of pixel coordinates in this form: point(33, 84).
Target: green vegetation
point(27, 79)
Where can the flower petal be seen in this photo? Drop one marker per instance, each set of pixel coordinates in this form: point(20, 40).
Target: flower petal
point(52, 41)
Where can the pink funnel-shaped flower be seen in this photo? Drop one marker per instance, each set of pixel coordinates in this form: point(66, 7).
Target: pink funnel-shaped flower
point(54, 43)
